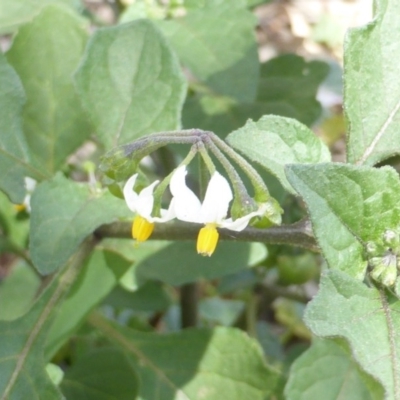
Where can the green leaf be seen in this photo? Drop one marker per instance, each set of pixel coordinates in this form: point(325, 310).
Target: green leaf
point(105, 374)
point(188, 365)
point(178, 263)
point(20, 278)
point(22, 367)
point(150, 297)
point(218, 45)
point(288, 87)
point(372, 87)
point(327, 371)
point(14, 155)
point(99, 276)
point(130, 83)
point(276, 141)
point(17, 12)
point(368, 318)
point(356, 203)
point(219, 311)
point(63, 214)
point(54, 123)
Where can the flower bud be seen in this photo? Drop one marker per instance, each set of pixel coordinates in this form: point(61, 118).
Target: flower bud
point(389, 275)
point(378, 270)
point(391, 239)
point(372, 249)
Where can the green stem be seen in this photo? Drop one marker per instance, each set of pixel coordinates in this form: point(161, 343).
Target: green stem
point(298, 234)
point(189, 299)
point(259, 186)
point(238, 186)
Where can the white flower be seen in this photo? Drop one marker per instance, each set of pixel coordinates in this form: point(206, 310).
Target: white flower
point(30, 185)
point(142, 204)
point(212, 212)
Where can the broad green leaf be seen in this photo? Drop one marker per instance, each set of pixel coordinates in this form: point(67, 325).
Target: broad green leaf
point(45, 53)
point(194, 364)
point(152, 296)
point(372, 87)
point(276, 141)
point(178, 263)
point(130, 83)
point(63, 214)
point(327, 371)
point(99, 276)
point(348, 206)
point(14, 13)
point(21, 278)
point(218, 45)
point(369, 319)
point(104, 374)
point(288, 87)
point(215, 310)
point(22, 367)
point(14, 155)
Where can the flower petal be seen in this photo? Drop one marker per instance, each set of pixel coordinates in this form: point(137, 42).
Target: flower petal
point(166, 215)
point(130, 196)
point(30, 184)
point(216, 201)
point(145, 201)
point(186, 204)
point(241, 223)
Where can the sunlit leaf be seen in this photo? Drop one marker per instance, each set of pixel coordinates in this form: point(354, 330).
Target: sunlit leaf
point(218, 45)
point(327, 371)
point(15, 161)
point(372, 87)
point(348, 206)
point(63, 214)
point(188, 365)
point(14, 13)
point(274, 142)
point(45, 53)
point(369, 319)
point(130, 83)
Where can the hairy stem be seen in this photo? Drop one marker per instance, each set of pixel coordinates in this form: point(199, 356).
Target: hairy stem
point(298, 234)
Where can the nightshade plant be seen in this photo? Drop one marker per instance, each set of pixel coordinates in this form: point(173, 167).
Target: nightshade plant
point(112, 131)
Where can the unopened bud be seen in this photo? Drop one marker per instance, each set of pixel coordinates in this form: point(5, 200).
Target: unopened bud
point(391, 239)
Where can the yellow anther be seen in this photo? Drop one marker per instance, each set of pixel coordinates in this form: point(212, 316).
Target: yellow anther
point(207, 240)
point(19, 207)
point(141, 228)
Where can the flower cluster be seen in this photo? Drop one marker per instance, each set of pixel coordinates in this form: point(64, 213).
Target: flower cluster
point(384, 258)
point(186, 206)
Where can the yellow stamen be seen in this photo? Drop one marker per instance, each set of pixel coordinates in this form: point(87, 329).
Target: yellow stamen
point(207, 240)
point(19, 207)
point(141, 228)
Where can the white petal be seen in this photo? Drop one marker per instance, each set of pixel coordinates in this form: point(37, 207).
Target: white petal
point(27, 203)
point(241, 223)
point(216, 201)
point(130, 196)
point(185, 203)
point(30, 184)
point(145, 201)
point(166, 215)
